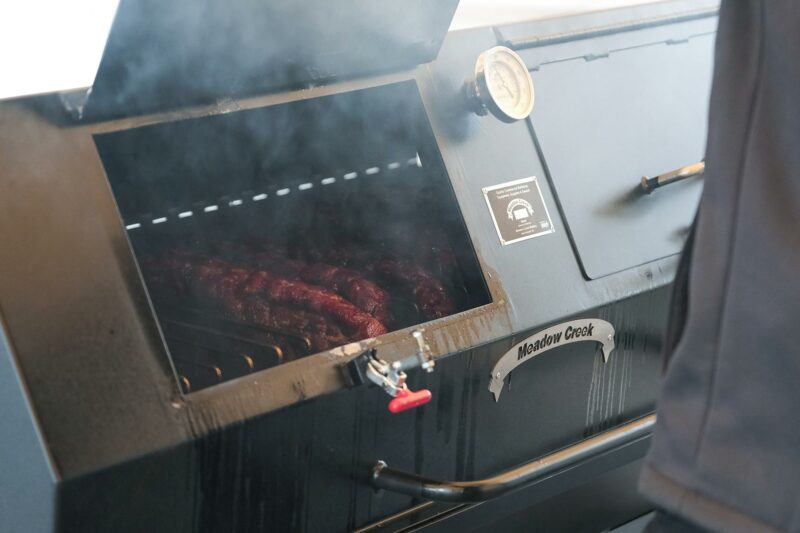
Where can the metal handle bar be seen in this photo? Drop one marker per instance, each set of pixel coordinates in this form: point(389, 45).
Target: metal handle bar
point(650, 184)
point(387, 478)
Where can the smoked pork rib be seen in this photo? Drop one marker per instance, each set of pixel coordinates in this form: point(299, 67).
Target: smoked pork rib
point(232, 284)
point(211, 283)
point(363, 293)
point(314, 298)
point(428, 292)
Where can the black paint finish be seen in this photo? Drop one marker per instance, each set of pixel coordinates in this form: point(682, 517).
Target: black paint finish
point(306, 467)
point(631, 123)
point(290, 448)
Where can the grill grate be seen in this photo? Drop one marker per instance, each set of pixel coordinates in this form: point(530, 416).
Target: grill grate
point(208, 348)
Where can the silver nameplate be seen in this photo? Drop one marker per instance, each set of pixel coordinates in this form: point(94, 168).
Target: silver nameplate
point(588, 329)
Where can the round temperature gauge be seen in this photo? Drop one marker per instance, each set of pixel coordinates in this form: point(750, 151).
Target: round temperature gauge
point(503, 85)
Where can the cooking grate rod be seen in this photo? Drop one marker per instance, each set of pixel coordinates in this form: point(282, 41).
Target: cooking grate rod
point(208, 338)
point(212, 324)
point(214, 369)
point(207, 348)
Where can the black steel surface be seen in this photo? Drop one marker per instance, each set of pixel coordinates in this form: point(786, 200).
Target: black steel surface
point(631, 123)
point(307, 467)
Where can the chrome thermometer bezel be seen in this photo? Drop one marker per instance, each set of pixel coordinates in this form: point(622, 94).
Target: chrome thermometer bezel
point(506, 65)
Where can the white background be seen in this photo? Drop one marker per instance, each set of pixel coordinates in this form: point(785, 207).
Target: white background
point(50, 45)
point(56, 45)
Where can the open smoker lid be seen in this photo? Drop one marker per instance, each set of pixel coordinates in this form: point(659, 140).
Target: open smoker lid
point(162, 55)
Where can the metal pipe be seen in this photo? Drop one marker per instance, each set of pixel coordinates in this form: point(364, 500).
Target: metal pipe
point(648, 185)
point(384, 477)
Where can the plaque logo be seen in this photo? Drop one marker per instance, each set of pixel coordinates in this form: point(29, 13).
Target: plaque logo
point(518, 210)
point(588, 329)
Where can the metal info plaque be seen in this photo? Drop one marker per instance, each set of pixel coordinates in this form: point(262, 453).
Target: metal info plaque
point(518, 210)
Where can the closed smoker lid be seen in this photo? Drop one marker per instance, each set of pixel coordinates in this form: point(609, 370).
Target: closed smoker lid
point(165, 54)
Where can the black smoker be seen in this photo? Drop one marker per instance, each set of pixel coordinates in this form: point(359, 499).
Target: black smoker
point(144, 397)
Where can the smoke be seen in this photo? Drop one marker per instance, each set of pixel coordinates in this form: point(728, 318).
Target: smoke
point(162, 55)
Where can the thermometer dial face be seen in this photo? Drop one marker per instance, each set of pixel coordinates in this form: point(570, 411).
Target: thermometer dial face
point(508, 83)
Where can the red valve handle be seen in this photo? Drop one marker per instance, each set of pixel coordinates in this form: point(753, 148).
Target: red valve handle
point(407, 399)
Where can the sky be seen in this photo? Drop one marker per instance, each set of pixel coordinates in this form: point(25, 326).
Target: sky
point(56, 45)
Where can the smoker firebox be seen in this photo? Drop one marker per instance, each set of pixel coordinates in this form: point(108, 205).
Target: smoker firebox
point(269, 234)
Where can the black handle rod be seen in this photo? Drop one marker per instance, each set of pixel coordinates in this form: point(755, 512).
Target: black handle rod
point(648, 185)
point(384, 477)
